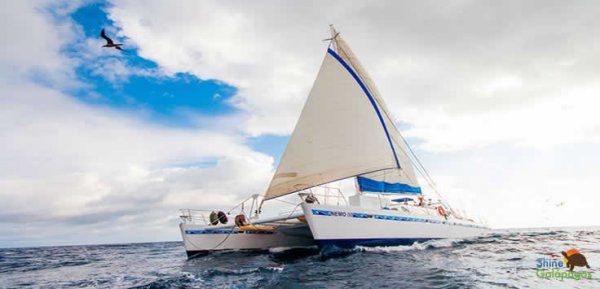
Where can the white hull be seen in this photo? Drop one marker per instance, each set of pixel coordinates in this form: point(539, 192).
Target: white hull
point(345, 226)
point(201, 239)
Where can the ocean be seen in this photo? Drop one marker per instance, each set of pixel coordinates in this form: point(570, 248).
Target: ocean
point(502, 259)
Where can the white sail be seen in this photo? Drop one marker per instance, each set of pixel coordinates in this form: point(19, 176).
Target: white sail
point(402, 178)
point(343, 131)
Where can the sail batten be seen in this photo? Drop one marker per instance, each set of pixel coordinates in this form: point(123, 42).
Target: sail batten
point(344, 130)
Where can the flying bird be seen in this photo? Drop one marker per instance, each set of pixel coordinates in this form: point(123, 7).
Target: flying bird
point(109, 42)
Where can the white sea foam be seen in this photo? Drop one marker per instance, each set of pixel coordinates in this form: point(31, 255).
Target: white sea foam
point(275, 269)
point(283, 249)
point(441, 243)
point(279, 249)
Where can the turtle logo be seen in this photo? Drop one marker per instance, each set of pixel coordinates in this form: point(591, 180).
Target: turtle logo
point(574, 258)
point(550, 268)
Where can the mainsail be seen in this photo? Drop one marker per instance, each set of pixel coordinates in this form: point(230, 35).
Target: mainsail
point(344, 130)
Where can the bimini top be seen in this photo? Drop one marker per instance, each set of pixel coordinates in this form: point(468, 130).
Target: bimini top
point(402, 200)
point(344, 130)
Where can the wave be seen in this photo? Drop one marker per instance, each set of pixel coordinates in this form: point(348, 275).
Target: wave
point(183, 281)
point(285, 249)
point(243, 271)
point(431, 244)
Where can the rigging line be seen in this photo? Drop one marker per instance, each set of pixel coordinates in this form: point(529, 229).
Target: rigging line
point(415, 165)
point(288, 216)
point(230, 232)
point(349, 59)
point(424, 172)
point(426, 176)
point(410, 160)
point(285, 201)
point(226, 237)
point(421, 169)
point(383, 108)
point(417, 159)
point(377, 97)
point(292, 212)
point(385, 112)
point(434, 188)
point(418, 165)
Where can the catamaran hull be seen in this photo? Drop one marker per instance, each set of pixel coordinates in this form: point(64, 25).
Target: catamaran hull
point(347, 226)
point(200, 240)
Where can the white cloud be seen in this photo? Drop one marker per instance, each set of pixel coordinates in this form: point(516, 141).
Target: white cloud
point(66, 163)
point(67, 166)
point(562, 119)
point(524, 201)
point(444, 69)
point(33, 41)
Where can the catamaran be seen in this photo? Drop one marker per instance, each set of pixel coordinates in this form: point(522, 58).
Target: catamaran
point(344, 132)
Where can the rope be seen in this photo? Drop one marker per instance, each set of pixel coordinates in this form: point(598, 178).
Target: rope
point(423, 172)
point(290, 203)
point(226, 237)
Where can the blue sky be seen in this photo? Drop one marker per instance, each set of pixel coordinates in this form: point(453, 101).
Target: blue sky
point(166, 99)
point(170, 100)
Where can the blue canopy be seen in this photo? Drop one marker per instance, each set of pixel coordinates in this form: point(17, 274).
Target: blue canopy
point(370, 185)
point(402, 200)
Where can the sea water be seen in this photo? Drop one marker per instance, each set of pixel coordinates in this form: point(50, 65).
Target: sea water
point(501, 259)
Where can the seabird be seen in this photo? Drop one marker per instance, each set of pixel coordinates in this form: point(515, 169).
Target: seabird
point(109, 42)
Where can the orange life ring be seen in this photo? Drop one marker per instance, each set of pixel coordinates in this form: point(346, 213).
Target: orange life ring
point(441, 211)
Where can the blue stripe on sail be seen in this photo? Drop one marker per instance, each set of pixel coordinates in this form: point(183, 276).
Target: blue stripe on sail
point(371, 99)
point(370, 185)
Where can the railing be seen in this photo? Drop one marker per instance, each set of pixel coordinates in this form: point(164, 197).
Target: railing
point(325, 195)
point(195, 216)
point(202, 216)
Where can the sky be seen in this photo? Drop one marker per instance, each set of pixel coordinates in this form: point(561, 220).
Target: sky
point(499, 100)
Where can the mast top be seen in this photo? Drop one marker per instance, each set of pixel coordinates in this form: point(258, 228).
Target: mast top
point(334, 34)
